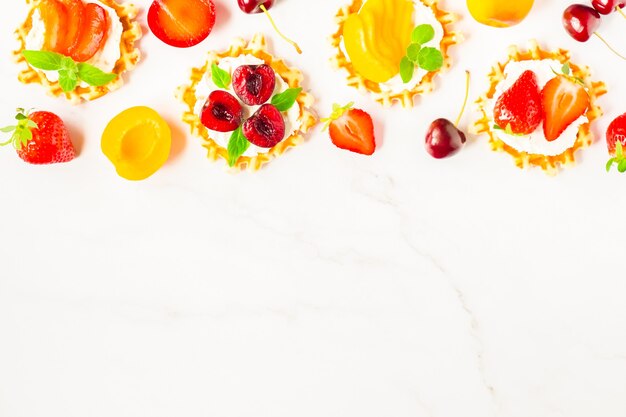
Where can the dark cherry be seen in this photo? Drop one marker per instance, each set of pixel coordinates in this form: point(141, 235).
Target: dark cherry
point(254, 6)
point(607, 6)
point(254, 84)
point(222, 112)
point(581, 21)
point(266, 128)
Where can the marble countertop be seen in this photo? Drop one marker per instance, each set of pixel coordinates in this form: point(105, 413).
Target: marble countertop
point(327, 284)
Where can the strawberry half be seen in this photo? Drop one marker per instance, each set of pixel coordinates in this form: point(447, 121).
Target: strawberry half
point(616, 142)
point(520, 106)
point(564, 101)
point(181, 23)
point(40, 138)
point(352, 129)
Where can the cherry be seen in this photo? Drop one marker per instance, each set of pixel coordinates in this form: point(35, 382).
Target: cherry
point(266, 128)
point(581, 22)
point(221, 112)
point(262, 6)
point(443, 138)
point(608, 6)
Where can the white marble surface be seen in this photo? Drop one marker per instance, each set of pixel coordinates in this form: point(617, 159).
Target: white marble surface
point(326, 285)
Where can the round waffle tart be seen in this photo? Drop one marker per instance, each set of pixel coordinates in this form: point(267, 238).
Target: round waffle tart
point(293, 78)
point(406, 97)
point(128, 59)
point(584, 138)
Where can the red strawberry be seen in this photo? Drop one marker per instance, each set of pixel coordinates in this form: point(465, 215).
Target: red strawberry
point(616, 142)
point(181, 23)
point(40, 138)
point(564, 101)
point(352, 129)
point(520, 106)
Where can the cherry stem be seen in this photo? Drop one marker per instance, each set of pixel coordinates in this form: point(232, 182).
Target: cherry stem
point(267, 13)
point(609, 46)
point(467, 84)
point(620, 11)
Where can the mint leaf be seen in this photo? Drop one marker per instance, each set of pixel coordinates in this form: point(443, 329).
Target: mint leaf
point(220, 77)
point(430, 59)
point(67, 80)
point(423, 34)
point(47, 61)
point(68, 64)
point(237, 145)
point(406, 69)
point(285, 100)
point(412, 52)
point(565, 69)
point(94, 76)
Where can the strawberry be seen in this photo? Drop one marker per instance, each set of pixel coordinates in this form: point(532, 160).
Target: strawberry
point(351, 129)
point(40, 138)
point(518, 110)
point(564, 101)
point(616, 142)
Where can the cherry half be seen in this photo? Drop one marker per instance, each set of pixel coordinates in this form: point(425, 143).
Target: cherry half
point(262, 6)
point(582, 21)
point(444, 138)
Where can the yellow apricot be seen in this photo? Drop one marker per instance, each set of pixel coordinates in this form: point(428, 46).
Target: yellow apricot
point(498, 13)
point(137, 141)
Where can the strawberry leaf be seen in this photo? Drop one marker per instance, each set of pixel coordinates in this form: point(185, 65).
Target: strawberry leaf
point(430, 59)
point(43, 60)
point(285, 100)
point(609, 164)
point(220, 77)
point(621, 167)
point(422, 34)
point(94, 76)
point(237, 146)
point(407, 68)
point(8, 129)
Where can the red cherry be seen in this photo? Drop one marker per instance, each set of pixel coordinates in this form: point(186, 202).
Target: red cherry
point(254, 84)
point(222, 112)
point(266, 128)
point(254, 6)
point(607, 6)
point(581, 21)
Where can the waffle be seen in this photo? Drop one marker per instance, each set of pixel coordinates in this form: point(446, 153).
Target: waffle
point(406, 97)
point(550, 164)
point(293, 77)
point(128, 60)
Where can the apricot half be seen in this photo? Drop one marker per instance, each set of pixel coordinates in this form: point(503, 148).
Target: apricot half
point(137, 141)
point(499, 13)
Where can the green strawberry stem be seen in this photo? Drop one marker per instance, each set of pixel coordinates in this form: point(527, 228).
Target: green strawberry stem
point(269, 16)
point(467, 85)
point(338, 111)
point(22, 132)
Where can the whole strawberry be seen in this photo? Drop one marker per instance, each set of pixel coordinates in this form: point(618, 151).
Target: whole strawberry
point(40, 138)
point(519, 110)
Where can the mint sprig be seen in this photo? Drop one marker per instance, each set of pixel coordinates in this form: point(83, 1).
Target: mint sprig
point(21, 133)
point(619, 159)
point(427, 58)
point(237, 146)
point(285, 100)
point(70, 72)
point(220, 77)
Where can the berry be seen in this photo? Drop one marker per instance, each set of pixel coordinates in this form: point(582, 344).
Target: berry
point(254, 84)
point(352, 129)
point(222, 112)
point(254, 6)
point(616, 133)
point(564, 101)
point(581, 21)
point(181, 23)
point(40, 138)
point(266, 128)
point(607, 6)
point(518, 109)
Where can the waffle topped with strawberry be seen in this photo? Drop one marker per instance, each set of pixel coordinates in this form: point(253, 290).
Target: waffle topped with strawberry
point(78, 48)
point(247, 106)
point(539, 108)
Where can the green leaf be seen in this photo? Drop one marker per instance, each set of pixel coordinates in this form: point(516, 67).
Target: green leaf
point(496, 127)
point(237, 145)
point(220, 77)
point(94, 76)
point(68, 63)
point(619, 150)
point(285, 100)
point(430, 59)
point(412, 52)
point(32, 125)
point(8, 129)
point(67, 80)
point(609, 164)
point(621, 167)
point(20, 117)
point(565, 69)
point(422, 34)
point(406, 69)
point(48, 61)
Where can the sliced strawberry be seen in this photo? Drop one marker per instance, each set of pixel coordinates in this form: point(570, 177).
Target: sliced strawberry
point(520, 106)
point(54, 16)
point(92, 34)
point(181, 23)
point(74, 17)
point(564, 101)
point(353, 130)
point(616, 133)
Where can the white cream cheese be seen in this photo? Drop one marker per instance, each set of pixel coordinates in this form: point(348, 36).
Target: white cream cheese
point(535, 143)
point(229, 64)
point(105, 59)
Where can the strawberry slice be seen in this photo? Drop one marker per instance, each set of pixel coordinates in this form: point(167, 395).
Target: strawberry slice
point(72, 25)
point(181, 23)
point(92, 34)
point(520, 106)
point(54, 16)
point(352, 130)
point(564, 101)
